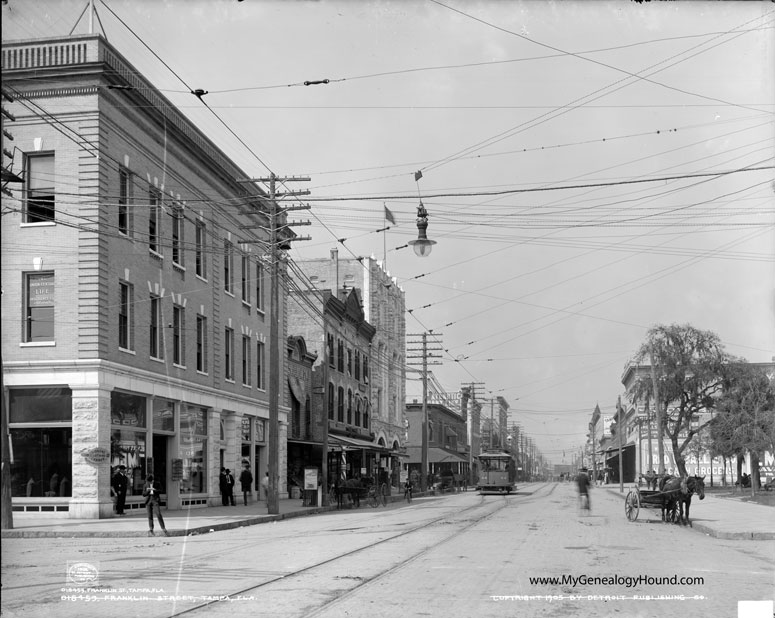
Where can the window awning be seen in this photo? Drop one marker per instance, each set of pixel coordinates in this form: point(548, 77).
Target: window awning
point(351, 444)
point(435, 455)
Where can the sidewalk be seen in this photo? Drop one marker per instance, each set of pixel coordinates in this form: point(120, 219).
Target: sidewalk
point(179, 523)
point(718, 517)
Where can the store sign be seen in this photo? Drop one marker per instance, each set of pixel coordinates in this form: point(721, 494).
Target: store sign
point(41, 291)
point(97, 455)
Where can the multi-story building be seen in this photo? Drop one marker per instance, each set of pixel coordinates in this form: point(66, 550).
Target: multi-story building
point(382, 305)
point(135, 325)
point(448, 449)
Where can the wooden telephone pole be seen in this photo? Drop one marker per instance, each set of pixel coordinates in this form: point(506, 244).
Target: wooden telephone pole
point(425, 354)
point(277, 244)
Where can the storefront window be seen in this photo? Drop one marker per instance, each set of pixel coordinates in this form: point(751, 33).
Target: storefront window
point(246, 428)
point(126, 409)
point(35, 405)
point(260, 424)
point(163, 415)
point(193, 449)
point(127, 447)
point(42, 462)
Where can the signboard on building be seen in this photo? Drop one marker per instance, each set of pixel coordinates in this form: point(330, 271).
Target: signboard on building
point(177, 470)
point(310, 478)
point(97, 455)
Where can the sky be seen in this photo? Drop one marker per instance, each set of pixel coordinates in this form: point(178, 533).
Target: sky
point(590, 169)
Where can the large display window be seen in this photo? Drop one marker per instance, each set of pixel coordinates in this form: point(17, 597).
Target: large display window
point(42, 462)
point(128, 438)
point(41, 438)
point(193, 449)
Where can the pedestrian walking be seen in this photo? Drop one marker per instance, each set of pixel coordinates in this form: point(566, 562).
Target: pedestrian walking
point(152, 493)
point(222, 487)
point(229, 485)
point(246, 480)
point(120, 484)
point(265, 486)
point(582, 480)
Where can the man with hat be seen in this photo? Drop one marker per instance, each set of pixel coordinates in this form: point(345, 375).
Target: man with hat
point(120, 484)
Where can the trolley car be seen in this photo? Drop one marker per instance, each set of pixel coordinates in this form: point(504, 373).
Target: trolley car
point(497, 472)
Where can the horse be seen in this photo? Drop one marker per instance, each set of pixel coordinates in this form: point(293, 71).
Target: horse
point(677, 496)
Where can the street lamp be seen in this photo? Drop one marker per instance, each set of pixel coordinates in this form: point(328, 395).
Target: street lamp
point(422, 246)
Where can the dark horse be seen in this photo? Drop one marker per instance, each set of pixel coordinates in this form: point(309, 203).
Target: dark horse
point(677, 497)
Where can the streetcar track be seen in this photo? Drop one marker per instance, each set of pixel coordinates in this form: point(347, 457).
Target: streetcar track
point(367, 581)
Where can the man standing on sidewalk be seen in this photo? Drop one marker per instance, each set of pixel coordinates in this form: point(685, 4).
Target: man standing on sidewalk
point(246, 480)
point(120, 485)
point(229, 499)
point(152, 493)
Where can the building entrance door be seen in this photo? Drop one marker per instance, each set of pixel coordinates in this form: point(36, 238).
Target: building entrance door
point(160, 461)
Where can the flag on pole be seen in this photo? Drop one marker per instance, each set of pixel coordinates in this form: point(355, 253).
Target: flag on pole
point(389, 216)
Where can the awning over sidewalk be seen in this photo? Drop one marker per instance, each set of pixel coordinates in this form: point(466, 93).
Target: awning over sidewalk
point(435, 455)
point(348, 444)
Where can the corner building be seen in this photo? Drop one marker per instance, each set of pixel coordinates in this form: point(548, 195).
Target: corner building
point(135, 325)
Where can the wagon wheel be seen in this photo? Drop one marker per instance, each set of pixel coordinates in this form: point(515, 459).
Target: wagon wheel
point(632, 505)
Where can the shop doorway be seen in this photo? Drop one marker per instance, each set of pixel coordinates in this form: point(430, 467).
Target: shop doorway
point(160, 461)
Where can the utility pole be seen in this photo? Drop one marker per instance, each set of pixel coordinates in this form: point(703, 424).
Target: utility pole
point(275, 345)
point(425, 354)
point(620, 436)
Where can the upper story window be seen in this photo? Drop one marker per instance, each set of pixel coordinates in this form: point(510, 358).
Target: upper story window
point(259, 286)
point(40, 204)
point(228, 354)
point(330, 344)
point(201, 343)
point(366, 369)
point(154, 219)
point(178, 338)
point(201, 249)
point(126, 316)
point(39, 307)
point(155, 331)
point(245, 278)
point(124, 201)
point(177, 235)
point(228, 266)
point(340, 356)
point(357, 374)
point(349, 361)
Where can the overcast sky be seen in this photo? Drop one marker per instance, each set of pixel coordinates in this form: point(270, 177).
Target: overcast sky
point(541, 293)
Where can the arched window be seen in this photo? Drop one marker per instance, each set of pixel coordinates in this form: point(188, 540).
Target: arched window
point(340, 407)
point(366, 408)
point(349, 407)
point(330, 401)
point(357, 411)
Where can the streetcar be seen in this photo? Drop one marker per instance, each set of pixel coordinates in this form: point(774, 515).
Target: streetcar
point(497, 472)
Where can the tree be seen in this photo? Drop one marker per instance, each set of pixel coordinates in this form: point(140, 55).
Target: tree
point(746, 414)
point(689, 367)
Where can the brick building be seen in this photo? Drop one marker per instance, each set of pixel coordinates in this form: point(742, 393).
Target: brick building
point(135, 326)
point(382, 304)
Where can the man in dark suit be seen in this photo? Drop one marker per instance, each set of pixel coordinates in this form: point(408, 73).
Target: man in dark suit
point(229, 495)
point(120, 485)
point(222, 487)
point(152, 493)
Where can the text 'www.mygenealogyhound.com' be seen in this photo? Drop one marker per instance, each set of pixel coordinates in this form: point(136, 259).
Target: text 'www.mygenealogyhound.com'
point(628, 581)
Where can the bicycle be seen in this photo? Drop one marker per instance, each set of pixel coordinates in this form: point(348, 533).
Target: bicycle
point(408, 492)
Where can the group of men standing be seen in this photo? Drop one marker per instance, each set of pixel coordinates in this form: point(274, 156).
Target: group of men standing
point(226, 485)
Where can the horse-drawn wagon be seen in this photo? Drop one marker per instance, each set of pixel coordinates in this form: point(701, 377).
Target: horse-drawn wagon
point(673, 497)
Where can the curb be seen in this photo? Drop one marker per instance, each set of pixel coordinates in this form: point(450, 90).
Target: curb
point(242, 523)
point(716, 534)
